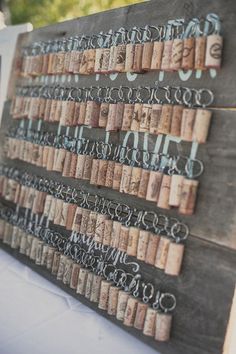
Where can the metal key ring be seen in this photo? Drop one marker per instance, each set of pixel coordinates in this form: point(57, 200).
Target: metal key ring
point(179, 231)
point(200, 95)
point(163, 298)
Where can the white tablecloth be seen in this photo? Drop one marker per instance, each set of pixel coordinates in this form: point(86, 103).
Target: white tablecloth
point(36, 317)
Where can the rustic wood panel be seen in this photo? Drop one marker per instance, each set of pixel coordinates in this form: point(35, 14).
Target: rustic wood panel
point(200, 318)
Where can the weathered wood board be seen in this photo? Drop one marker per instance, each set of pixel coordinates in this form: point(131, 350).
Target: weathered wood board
point(205, 287)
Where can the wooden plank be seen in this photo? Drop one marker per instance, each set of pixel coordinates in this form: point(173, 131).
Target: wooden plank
point(200, 318)
point(214, 218)
point(158, 13)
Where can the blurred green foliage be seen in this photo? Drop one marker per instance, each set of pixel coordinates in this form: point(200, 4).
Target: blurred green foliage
point(45, 12)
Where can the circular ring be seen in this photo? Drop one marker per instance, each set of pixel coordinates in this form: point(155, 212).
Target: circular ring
point(170, 298)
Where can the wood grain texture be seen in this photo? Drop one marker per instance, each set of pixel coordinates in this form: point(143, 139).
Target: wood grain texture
point(200, 319)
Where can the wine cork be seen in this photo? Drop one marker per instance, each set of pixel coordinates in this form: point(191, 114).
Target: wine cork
point(39, 251)
point(98, 60)
point(82, 279)
point(45, 156)
point(64, 214)
point(120, 106)
point(95, 291)
point(89, 283)
point(117, 176)
point(16, 235)
point(165, 119)
point(129, 57)
point(163, 199)
point(91, 54)
point(188, 54)
point(67, 163)
point(105, 61)
point(39, 160)
point(200, 52)
point(77, 219)
point(83, 63)
point(201, 125)
point(102, 171)
point(188, 196)
point(76, 113)
point(174, 259)
point(103, 115)
point(130, 311)
point(150, 323)
point(42, 105)
point(163, 327)
point(92, 114)
point(123, 238)
point(58, 212)
point(112, 300)
point(145, 118)
point(61, 268)
point(176, 54)
point(143, 185)
point(162, 253)
point(84, 221)
point(67, 113)
point(214, 47)
point(22, 194)
point(147, 56)
point(55, 262)
point(23, 243)
point(73, 165)
point(87, 167)
point(7, 238)
point(67, 62)
point(111, 118)
point(127, 116)
point(39, 201)
point(125, 178)
point(152, 246)
point(154, 186)
point(67, 272)
point(136, 118)
point(175, 190)
point(2, 228)
point(44, 255)
point(115, 235)
point(50, 258)
point(47, 110)
point(121, 305)
point(138, 53)
point(120, 58)
point(52, 210)
point(59, 161)
point(82, 113)
point(110, 174)
point(77, 58)
point(187, 124)
point(100, 228)
point(104, 295)
point(175, 128)
point(34, 108)
point(74, 276)
point(92, 224)
point(52, 113)
point(133, 241)
point(142, 245)
point(166, 55)
point(155, 118)
point(135, 180)
point(107, 232)
point(30, 198)
point(80, 166)
point(45, 64)
point(112, 59)
point(94, 172)
point(51, 153)
point(140, 315)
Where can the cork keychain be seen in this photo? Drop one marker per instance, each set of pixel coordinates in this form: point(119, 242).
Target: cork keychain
point(214, 44)
point(179, 234)
point(177, 47)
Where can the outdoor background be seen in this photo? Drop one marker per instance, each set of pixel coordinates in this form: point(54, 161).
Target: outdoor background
point(44, 12)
